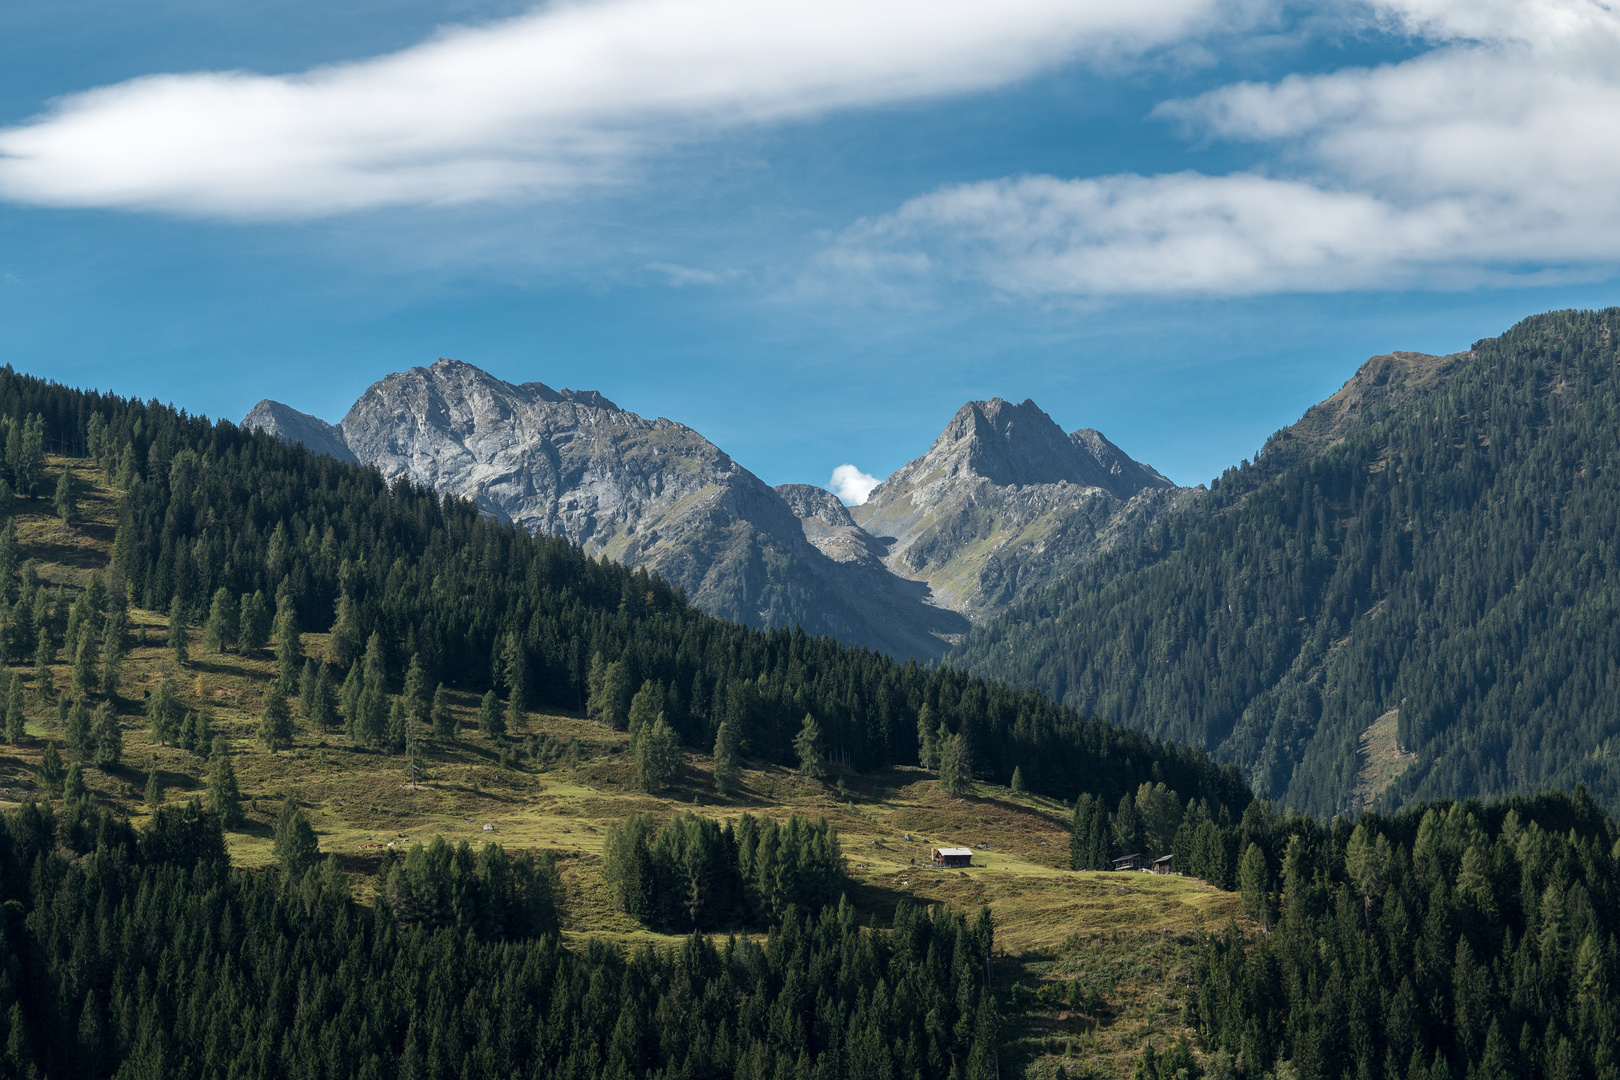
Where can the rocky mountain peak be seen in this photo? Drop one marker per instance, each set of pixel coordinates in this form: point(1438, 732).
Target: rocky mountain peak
point(290, 425)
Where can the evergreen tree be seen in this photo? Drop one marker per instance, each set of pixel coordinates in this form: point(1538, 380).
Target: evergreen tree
point(178, 638)
point(955, 771)
point(66, 503)
point(86, 664)
point(114, 638)
point(289, 643)
point(295, 845)
point(646, 706)
point(323, 701)
point(50, 769)
point(444, 721)
point(190, 737)
point(727, 774)
point(354, 686)
point(306, 687)
point(221, 631)
point(1017, 780)
point(1089, 842)
point(275, 720)
point(490, 720)
point(807, 746)
point(347, 640)
point(658, 757)
point(224, 797)
point(927, 745)
point(374, 668)
point(108, 737)
point(1254, 883)
point(163, 714)
point(78, 728)
point(253, 623)
point(1128, 838)
point(154, 790)
point(398, 737)
point(418, 707)
point(514, 670)
point(373, 715)
point(74, 790)
point(15, 721)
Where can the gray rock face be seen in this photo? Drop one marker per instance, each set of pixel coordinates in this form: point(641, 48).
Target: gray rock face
point(1004, 501)
point(285, 422)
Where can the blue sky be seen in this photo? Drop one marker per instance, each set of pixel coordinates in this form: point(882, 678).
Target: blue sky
point(810, 231)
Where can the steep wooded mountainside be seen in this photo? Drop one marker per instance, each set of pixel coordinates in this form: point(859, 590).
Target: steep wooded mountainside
point(1413, 592)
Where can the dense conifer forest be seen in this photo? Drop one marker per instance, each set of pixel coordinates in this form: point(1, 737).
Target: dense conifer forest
point(217, 525)
point(145, 956)
point(1454, 558)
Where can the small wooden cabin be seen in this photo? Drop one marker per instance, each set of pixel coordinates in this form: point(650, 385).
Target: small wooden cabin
point(1161, 865)
point(1133, 861)
point(952, 856)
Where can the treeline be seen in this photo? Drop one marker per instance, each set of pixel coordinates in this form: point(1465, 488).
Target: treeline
point(1454, 940)
point(397, 573)
point(1453, 558)
point(120, 955)
point(694, 874)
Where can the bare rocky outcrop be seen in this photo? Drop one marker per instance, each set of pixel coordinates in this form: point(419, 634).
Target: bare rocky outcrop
point(1004, 501)
point(1001, 501)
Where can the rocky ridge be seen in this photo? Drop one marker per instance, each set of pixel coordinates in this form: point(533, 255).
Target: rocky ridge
point(999, 502)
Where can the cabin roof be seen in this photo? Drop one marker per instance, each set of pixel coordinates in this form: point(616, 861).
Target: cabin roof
point(947, 851)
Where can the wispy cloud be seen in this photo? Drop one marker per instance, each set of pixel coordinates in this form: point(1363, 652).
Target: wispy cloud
point(1494, 155)
point(541, 105)
point(851, 485)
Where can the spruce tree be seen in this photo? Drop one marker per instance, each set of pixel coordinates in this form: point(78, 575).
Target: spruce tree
point(50, 769)
point(289, 643)
point(323, 702)
point(253, 624)
point(296, 848)
point(224, 797)
point(86, 669)
point(955, 771)
point(66, 503)
point(657, 756)
point(646, 706)
point(374, 668)
point(108, 737)
point(490, 720)
point(306, 687)
point(114, 644)
point(373, 715)
point(727, 774)
point(444, 721)
point(163, 714)
point(1128, 837)
point(15, 721)
point(220, 632)
point(807, 745)
point(1017, 780)
point(178, 639)
point(275, 720)
point(398, 728)
point(78, 728)
point(189, 738)
point(349, 698)
point(347, 641)
point(927, 743)
point(154, 790)
point(73, 787)
point(1254, 884)
point(418, 707)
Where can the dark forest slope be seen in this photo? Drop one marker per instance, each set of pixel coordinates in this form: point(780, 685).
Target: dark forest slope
point(1438, 539)
point(206, 506)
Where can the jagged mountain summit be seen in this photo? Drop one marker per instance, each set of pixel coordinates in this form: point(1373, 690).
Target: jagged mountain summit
point(656, 493)
point(1004, 500)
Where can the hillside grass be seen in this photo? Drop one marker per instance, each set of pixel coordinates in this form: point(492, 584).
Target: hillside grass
point(1129, 936)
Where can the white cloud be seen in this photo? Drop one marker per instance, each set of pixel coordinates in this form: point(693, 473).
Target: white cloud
point(1495, 154)
point(851, 485)
point(539, 105)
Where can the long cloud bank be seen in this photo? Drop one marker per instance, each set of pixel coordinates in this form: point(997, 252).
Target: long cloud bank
point(1493, 157)
point(543, 104)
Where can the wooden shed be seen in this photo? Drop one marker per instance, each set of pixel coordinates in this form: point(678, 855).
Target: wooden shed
point(1161, 865)
point(1133, 861)
point(952, 856)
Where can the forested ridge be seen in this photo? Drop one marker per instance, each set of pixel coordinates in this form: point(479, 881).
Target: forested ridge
point(1453, 556)
point(396, 573)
